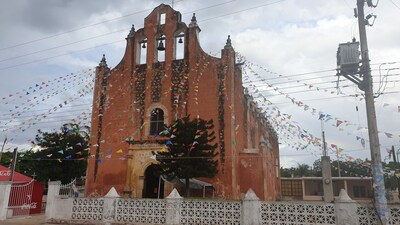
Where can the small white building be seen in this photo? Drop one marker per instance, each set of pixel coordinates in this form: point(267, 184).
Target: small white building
point(310, 188)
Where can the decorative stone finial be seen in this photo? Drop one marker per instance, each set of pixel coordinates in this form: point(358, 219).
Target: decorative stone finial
point(193, 22)
point(228, 42)
point(103, 61)
point(132, 32)
point(344, 197)
point(250, 196)
point(174, 194)
point(112, 193)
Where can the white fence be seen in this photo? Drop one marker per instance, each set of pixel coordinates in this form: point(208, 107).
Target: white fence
point(175, 210)
point(367, 215)
point(210, 212)
point(278, 213)
point(145, 211)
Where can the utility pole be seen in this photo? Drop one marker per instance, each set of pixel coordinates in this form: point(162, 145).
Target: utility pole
point(326, 170)
point(14, 162)
point(394, 155)
point(2, 147)
point(349, 67)
point(324, 152)
point(338, 162)
point(366, 86)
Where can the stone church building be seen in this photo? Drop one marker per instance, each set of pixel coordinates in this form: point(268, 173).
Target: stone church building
point(165, 75)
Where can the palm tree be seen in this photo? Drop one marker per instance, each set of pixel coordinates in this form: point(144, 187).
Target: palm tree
point(302, 170)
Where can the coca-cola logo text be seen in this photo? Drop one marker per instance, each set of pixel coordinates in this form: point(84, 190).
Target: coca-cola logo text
point(29, 206)
point(5, 173)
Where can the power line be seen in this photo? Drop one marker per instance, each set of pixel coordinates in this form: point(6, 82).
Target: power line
point(101, 22)
point(395, 4)
point(259, 6)
point(298, 74)
point(72, 30)
point(39, 110)
point(55, 56)
point(319, 99)
point(60, 46)
point(313, 86)
point(243, 10)
point(36, 115)
point(307, 73)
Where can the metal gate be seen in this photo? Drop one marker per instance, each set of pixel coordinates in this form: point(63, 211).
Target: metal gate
point(68, 190)
point(20, 200)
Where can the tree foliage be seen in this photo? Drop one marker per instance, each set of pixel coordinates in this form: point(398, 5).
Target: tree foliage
point(61, 156)
point(189, 151)
point(355, 168)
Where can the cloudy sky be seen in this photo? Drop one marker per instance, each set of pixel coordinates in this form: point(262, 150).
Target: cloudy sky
point(47, 48)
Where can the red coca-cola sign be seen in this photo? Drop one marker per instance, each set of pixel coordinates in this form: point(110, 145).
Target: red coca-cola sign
point(5, 173)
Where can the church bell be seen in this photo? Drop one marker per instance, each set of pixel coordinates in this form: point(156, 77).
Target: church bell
point(161, 46)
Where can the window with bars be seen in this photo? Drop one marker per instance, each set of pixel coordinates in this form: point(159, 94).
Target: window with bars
point(291, 188)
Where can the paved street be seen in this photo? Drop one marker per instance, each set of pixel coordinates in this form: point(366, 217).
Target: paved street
point(36, 219)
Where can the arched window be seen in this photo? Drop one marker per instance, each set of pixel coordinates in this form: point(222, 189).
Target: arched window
point(160, 47)
point(141, 52)
point(156, 121)
point(179, 46)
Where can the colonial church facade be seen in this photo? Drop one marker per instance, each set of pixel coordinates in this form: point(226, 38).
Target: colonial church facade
point(165, 75)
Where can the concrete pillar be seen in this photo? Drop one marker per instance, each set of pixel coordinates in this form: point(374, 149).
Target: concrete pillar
point(250, 209)
point(327, 178)
point(52, 195)
point(109, 207)
point(5, 189)
point(345, 209)
point(173, 208)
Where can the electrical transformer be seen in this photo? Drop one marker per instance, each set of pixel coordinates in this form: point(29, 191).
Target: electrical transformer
point(348, 58)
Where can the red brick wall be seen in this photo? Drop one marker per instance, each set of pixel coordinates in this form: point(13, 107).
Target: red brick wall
point(203, 79)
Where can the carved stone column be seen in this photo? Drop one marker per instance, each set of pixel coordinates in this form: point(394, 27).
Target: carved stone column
point(128, 190)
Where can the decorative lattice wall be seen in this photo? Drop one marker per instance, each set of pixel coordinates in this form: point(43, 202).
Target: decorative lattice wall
point(293, 214)
point(367, 215)
point(194, 212)
point(210, 212)
point(144, 211)
point(394, 214)
point(88, 209)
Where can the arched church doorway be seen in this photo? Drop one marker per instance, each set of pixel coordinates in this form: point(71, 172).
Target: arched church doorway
point(153, 184)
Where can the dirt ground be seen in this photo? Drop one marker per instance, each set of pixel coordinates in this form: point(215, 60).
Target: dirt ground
point(37, 219)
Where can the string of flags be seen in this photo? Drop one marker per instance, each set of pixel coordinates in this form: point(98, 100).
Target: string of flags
point(281, 120)
point(302, 134)
point(322, 116)
point(23, 115)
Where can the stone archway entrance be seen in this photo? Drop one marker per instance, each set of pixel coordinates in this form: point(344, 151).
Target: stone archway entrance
point(153, 185)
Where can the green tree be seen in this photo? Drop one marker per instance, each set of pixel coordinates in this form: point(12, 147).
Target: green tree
point(287, 172)
point(303, 170)
point(317, 168)
point(61, 156)
point(6, 159)
point(356, 168)
point(189, 150)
